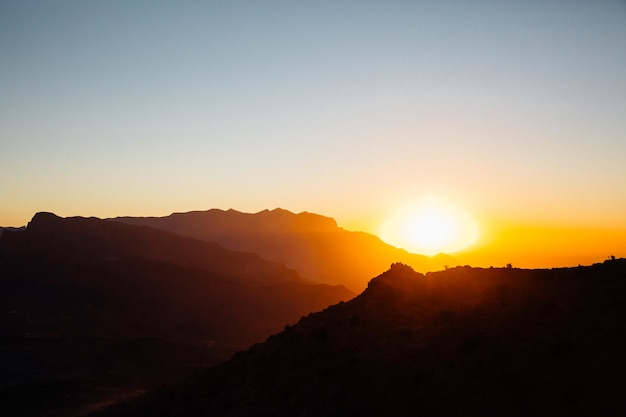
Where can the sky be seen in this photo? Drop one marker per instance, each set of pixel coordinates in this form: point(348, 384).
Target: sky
point(514, 111)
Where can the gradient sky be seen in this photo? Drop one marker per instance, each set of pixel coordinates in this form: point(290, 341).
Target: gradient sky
point(513, 110)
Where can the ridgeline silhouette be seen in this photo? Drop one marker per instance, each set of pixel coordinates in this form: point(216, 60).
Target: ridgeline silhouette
point(466, 341)
point(310, 243)
point(92, 310)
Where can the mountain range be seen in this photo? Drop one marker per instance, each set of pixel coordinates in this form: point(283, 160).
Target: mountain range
point(310, 243)
point(93, 310)
point(147, 317)
point(465, 341)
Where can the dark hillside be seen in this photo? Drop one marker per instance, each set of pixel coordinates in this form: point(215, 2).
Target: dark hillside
point(92, 311)
point(467, 341)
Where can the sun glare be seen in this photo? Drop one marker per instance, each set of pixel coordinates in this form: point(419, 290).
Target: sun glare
point(430, 227)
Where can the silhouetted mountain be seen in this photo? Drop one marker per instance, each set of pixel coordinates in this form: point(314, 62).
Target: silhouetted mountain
point(466, 341)
point(89, 307)
point(11, 229)
point(309, 243)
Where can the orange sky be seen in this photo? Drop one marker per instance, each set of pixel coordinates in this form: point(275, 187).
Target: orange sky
point(529, 246)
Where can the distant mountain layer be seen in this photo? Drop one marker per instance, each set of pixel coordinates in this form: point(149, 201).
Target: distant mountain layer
point(309, 243)
point(89, 304)
point(466, 341)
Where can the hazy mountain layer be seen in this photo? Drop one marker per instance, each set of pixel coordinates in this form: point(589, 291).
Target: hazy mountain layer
point(91, 307)
point(471, 342)
point(309, 243)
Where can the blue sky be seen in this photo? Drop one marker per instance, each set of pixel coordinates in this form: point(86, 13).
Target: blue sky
point(511, 109)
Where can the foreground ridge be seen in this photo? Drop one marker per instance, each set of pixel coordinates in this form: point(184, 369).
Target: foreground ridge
point(466, 341)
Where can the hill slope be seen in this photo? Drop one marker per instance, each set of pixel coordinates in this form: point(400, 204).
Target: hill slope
point(88, 304)
point(466, 341)
point(310, 243)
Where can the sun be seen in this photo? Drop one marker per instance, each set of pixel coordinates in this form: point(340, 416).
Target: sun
point(429, 227)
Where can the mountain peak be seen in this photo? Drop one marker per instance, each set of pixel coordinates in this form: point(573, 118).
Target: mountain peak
point(394, 286)
point(280, 210)
point(398, 276)
point(45, 215)
point(43, 218)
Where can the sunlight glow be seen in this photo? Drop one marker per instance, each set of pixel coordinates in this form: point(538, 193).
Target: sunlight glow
point(429, 227)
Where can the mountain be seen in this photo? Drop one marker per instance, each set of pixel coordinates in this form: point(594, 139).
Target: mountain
point(466, 341)
point(11, 229)
point(93, 310)
point(312, 244)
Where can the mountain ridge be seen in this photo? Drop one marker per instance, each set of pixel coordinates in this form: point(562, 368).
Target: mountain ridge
point(148, 243)
point(91, 310)
point(466, 341)
point(310, 243)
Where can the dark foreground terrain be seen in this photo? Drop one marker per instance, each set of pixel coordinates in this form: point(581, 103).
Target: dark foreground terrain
point(466, 341)
point(93, 312)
